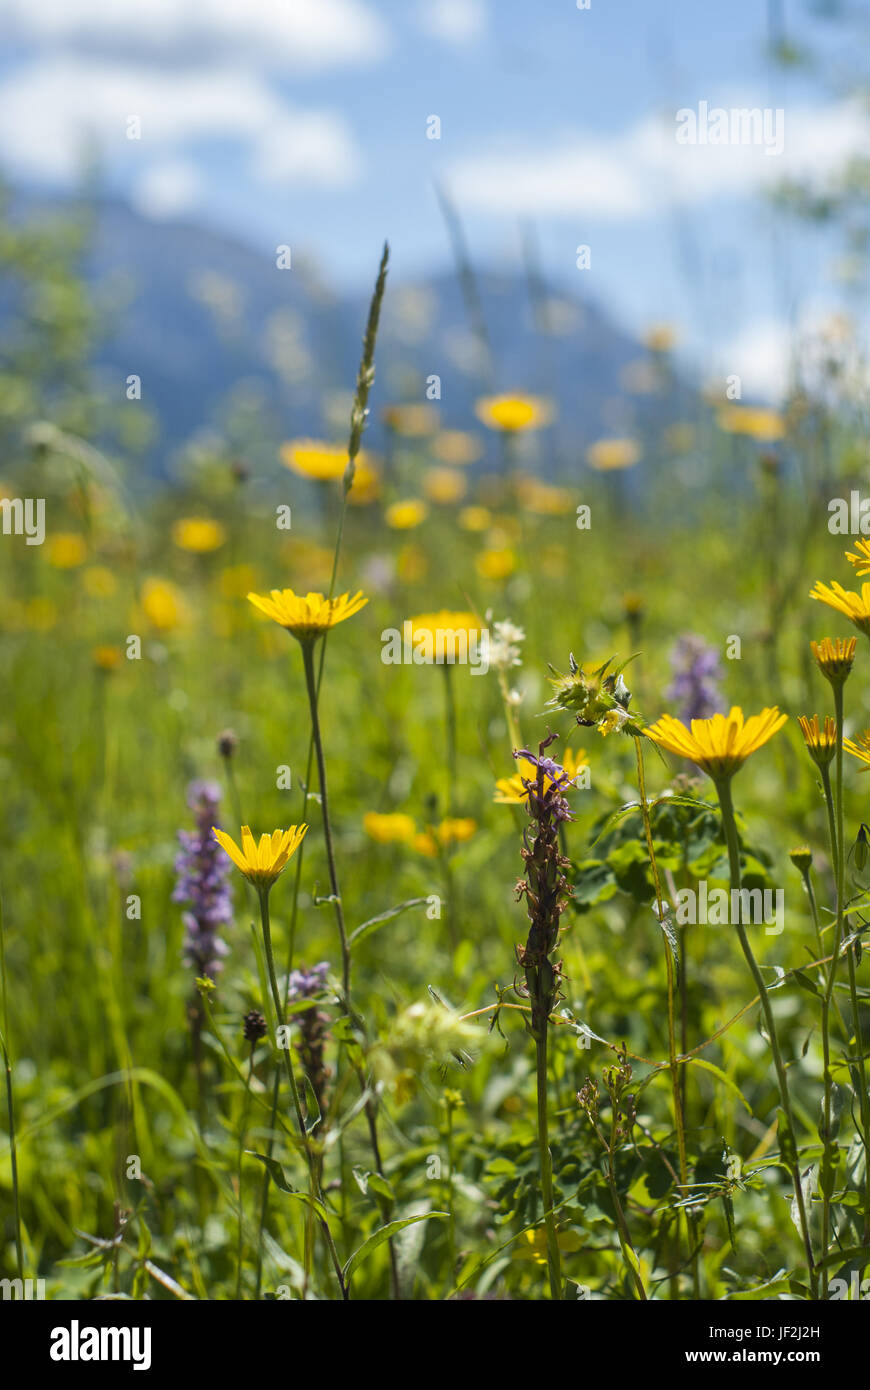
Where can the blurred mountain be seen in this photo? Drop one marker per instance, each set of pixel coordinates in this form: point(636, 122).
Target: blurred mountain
point(217, 333)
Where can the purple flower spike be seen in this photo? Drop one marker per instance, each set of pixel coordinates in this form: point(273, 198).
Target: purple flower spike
point(202, 870)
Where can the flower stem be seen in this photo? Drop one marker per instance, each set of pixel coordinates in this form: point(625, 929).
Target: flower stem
point(10, 1107)
point(729, 826)
point(554, 1266)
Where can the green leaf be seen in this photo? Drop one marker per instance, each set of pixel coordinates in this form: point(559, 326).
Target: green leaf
point(726, 1080)
point(384, 1233)
point(360, 933)
point(276, 1173)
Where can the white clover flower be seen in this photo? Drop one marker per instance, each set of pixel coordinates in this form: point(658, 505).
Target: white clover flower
point(504, 648)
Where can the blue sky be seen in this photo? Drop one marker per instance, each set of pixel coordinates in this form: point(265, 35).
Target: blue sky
point(304, 122)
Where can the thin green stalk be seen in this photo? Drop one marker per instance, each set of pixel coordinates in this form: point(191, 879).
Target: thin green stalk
point(676, 1071)
point(863, 1099)
point(554, 1265)
point(10, 1106)
point(450, 801)
point(294, 1090)
point(729, 826)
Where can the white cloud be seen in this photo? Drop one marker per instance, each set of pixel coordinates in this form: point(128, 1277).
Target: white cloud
point(636, 173)
point(51, 107)
point(167, 189)
point(454, 21)
point(295, 33)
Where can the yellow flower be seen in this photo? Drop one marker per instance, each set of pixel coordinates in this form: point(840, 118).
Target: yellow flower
point(387, 829)
point(412, 421)
point(474, 518)
point(860, 748)
point(444, 485)
point(834, 657)
point(261, 864)
point(720, 745)
point(544, 500)
point(763, 425)
point(513, 414)
point(312, 458)
point(861, 561)
point(496, 564)
point(99, 582)
point(198, 534)
point(510, 791)
point(606, 455)
point(404, 516)
point(821, 742)
point(66, 550)
point(457, 447)
point(856, 607)
point(107, 658)
point(162, 604)
point(366, 482)
point(451, 831)
point(660, 337)
point(308, 617)
point(442, 637)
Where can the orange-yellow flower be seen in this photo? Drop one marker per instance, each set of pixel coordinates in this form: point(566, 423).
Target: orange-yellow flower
point(389, 828)
point(608, 455)
point(855, 607)
point(719, 745)
point(308, 617)
point(198, 534)
point(405, 515)
point(261, 864)
point(312, 458)
point(513, 414)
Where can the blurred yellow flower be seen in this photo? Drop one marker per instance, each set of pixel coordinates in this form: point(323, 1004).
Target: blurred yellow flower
point(366, 482)
point(66, 550)
point(411, 564)
point(312, 458)
point(474, 518)
point(389, 828)
point(309, 617)
point(606, 455)
point(510, 791)
point(445, 635)
point(107, 658)
point(495, 564)
point(237, 581)
point(413, 421)
point(198, 534)
point(404, 516)
point(162, 604)
point(99, 582)
point(513, 414)
point(660, 337)
point(261, 864)
point(543, 499)
point(457, 447)
point(764, 425)
point(40, 614)
point(444, 485)
point(451, 831)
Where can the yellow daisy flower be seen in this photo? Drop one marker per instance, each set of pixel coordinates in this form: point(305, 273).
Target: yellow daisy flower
point(445, 635)
point(66, 550)
point(444, 485)
point(389, 828)
point(859, 748)
point(404, 516)
point(856, 607)
point(308, 617)
point(821, 741)
point(162, 604)
point(475, 518)
point(607, 455)
point(198, 534)
point(312, 458)
point(509, 791)
point(513, 414)
point(763, 425)
point(861, 561)
point(261, 864)
point(720, 745)
point(457, 447)
point(834, 657)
